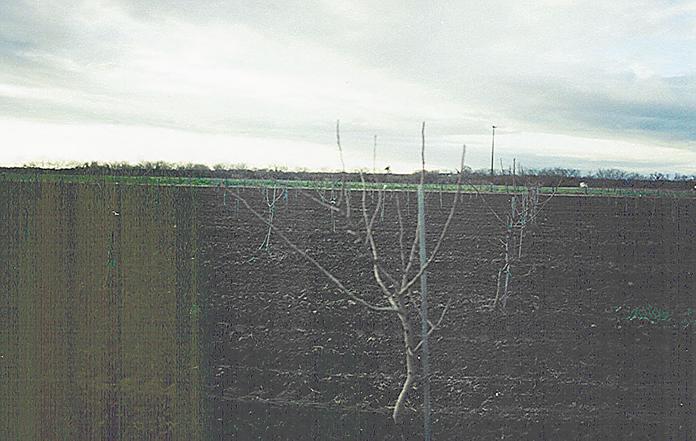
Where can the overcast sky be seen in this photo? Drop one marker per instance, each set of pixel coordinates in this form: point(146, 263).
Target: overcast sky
point(580, 84)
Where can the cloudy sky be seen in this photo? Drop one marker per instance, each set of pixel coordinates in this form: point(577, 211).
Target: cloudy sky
point(581, 84)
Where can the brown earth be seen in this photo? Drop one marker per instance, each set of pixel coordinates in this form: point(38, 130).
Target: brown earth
point(292, 359)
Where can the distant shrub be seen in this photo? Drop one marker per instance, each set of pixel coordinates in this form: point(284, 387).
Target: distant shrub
point(655, 315)
point(650, 313)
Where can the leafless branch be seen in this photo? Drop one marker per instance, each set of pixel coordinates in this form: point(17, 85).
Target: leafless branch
point(370, 239)
point(541, 207)
point(414, 244)
point(310, 259)
point(270, 201)
point(433, 327)
point(411, 257)
point(380, 199)
point(275, 197)
point(485, 202)
point(394, 300)
point(443, 233)
point(354, 228)
point(338, 143)
point(346, 195)
point(401, 233)
point(331, 207)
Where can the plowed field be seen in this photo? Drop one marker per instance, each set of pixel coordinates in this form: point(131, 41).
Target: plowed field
point(292, 359)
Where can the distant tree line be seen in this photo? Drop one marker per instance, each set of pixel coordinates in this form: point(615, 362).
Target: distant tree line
point(551, 176)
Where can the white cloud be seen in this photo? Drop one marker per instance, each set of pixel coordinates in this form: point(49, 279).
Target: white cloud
point(52, 142)
point(282, 72)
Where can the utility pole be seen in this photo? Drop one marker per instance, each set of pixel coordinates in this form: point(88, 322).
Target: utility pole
point(493, 152)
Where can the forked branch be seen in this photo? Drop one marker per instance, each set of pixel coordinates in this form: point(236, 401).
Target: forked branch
point(443, 232)
point(434, 326)
point(310, 259)
point(364, 228)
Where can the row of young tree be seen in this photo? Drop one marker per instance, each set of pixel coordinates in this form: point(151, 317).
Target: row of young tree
point(609, 174)
point(399, 286)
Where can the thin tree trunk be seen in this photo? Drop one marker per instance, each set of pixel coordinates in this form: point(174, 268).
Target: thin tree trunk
point(497, 290)
point(505, 292)
point(410, 365)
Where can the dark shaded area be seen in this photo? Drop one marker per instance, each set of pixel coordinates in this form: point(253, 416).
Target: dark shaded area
point(98, 339)
point(104, 286)
point(292, 359)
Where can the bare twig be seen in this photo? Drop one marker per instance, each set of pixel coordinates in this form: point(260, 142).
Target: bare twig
point(414, 244)
point(271, 214)
point(394, 293)
point(497, 290)
point(541, 207)
point(411, 257)
point(370, 239)
point(323, 203)
point(443, 232)
point(433, 327)
point(310, 259)
point(338, 143)
point(518, 218)
point(401, 234)
point(485, 202)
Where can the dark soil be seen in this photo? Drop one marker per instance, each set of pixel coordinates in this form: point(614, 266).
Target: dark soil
point(292, 359)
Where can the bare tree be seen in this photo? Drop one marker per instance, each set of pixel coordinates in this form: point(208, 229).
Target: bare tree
point(524, 211)
point(271, 200)
point(395, 287)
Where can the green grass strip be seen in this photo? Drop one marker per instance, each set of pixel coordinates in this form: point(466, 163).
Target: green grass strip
point(327, 184)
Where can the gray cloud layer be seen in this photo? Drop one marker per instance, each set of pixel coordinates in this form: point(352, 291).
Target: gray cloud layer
point(623, 71)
